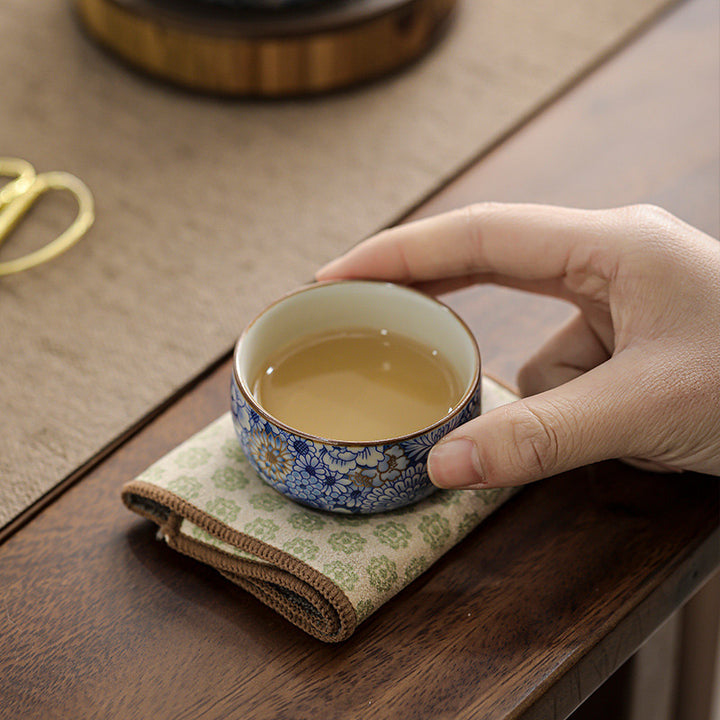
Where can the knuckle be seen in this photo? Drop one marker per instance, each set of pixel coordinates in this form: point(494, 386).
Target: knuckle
point(477, 213)
point(473, 216)
point(535, 442)
point(655, 236)
point(647, 213)
point(652, 221)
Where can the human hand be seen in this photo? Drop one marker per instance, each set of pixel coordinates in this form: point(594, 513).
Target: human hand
point(635, 374)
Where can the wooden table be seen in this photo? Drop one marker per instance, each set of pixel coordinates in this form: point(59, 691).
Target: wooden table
point(526, 617)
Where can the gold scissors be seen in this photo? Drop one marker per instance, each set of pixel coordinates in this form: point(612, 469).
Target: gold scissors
point(20, 194)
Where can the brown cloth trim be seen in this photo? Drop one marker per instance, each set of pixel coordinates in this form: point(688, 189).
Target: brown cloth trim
point(299, 593)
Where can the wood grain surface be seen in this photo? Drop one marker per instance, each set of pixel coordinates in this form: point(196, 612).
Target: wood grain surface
point(284, 52)
point(525, 618)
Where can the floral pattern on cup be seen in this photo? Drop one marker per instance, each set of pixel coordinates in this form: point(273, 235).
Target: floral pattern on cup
point(341, 478)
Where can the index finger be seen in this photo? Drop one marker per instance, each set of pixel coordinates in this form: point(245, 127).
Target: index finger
point(533, 242)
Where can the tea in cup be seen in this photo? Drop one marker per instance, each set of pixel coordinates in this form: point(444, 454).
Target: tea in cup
point(340, 389)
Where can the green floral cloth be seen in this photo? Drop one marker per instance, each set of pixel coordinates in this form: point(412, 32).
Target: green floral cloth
point(324, 572)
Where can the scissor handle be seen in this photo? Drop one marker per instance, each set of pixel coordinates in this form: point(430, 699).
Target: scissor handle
point(24, 176)
point(21, 200)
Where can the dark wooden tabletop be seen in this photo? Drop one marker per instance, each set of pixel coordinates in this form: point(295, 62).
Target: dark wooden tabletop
point(523, 619)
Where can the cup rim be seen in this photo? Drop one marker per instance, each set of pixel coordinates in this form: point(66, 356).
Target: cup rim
point(394, 440)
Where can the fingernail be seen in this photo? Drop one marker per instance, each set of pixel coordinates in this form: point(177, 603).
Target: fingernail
point(455, 464)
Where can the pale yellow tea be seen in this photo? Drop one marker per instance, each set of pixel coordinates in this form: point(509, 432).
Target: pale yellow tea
point(358, 384)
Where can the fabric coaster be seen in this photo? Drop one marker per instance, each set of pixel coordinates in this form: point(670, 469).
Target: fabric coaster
point(324, 572)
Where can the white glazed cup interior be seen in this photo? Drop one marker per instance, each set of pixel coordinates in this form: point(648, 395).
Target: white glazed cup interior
point(351, 304)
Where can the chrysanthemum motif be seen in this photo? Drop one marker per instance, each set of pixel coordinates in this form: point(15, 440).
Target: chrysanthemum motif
point(334, 486)
point(244, 416)
point(392, 464)
point(310, 467)
point(302, 447)
point(271, 455)
point(354, 500)
point(390, 468)
point(343, 458)
point(471, 410)
point(363, 477)
point(413, 485)
point(301, 487)
point(417, 448)
point(254, 419)
point(237, 406)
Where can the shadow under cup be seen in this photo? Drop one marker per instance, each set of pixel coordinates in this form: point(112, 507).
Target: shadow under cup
point(348, 476)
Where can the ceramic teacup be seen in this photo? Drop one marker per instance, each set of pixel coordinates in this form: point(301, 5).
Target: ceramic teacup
point(339, 475)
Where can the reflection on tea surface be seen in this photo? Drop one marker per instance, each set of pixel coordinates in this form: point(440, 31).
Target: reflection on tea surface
point(358, 384)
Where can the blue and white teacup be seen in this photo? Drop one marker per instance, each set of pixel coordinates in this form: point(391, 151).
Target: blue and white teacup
point(342, 476)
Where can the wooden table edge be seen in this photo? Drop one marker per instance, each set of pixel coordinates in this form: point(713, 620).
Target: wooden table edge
point(680, 583)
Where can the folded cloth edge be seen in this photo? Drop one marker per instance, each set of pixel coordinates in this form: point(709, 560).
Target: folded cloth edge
point(330, 616)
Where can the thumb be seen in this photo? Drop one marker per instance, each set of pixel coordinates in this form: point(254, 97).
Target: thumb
point(596, 416)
